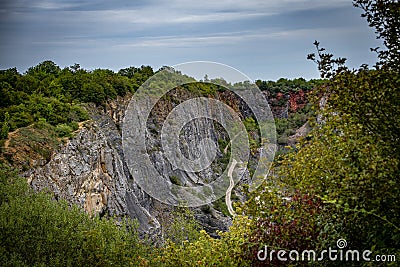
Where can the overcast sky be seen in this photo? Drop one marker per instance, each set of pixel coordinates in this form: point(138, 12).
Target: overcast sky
point(264, 39)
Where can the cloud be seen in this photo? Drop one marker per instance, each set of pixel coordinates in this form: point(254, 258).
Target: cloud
point(158, 32)
point(207, 11)
point(173, 11)
point(263, 35)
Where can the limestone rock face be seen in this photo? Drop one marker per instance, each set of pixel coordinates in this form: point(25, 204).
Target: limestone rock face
point(90, 171)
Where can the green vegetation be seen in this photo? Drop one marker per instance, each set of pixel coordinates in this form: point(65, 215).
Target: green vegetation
point(203, 89)
point(220, 205)
point(286, 127)
point(5, 128)
point(342, 181)
point(207, 251)
point(286, 86)
point(56, 95)
point(182, 228)
point(53, 100)
point(38, 231)
point(175, 180)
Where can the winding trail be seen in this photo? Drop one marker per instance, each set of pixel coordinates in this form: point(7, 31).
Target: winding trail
point(228, 193)
point(9, 137)
point(228, 200)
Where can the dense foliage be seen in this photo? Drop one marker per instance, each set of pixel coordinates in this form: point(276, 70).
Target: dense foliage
point(285, 86)
point(343, 180)
point(56, 95)
point(340, 182)
point(38, 231)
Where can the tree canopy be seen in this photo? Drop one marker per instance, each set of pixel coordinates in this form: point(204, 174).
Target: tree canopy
point(341, 182)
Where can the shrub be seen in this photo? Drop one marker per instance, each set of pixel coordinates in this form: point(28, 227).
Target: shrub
point(229, 250)
point(64, 130)
point(39, 231)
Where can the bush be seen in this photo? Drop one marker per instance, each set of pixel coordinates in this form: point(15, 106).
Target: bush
point(183, 226)
point(64, 130)
point(39, 231)
point(175, 180)
point(5, 128)
point(229, 250)
point(92, 92)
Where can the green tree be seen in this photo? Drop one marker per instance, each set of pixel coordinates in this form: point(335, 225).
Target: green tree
point(5, 94)
point(5, 128)
point(128, 72)
point(384, 16)
point(10, 76)
point(183, 226)
point(27, 84)
point(229, 250)
point(342, 181)
point(43, 69)
point(92, 92)
point(36, 230)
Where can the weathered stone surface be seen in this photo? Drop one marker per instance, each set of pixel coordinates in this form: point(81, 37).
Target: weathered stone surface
point(300, 133)
point(90, 170)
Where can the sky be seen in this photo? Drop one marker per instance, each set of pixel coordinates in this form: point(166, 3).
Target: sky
point(264, 39)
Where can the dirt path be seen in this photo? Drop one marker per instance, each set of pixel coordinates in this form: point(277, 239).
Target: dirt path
point(228, 200)
point(228, 193)
point(9, 137)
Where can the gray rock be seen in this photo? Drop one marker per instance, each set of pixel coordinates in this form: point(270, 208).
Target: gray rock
point(90, 170)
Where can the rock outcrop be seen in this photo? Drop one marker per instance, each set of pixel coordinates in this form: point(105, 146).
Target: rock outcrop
point(90, 171)
point(300, 133)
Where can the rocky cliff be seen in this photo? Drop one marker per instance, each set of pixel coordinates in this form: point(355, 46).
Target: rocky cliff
point(90, 168)
point(90, 171)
